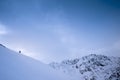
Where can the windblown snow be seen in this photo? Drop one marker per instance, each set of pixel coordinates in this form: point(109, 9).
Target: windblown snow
point(15, 66)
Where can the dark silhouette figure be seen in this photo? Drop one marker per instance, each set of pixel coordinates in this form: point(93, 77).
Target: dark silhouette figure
point(19, 51)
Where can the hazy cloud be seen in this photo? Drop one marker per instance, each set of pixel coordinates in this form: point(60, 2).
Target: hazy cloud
point(3, 29)
point(53, 30)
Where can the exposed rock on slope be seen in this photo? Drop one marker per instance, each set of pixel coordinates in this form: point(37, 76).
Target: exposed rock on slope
point(91, 67)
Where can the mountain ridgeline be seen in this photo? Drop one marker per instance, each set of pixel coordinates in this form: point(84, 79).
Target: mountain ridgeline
point(91, 67)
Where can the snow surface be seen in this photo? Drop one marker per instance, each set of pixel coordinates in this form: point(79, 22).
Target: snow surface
point(15, 66)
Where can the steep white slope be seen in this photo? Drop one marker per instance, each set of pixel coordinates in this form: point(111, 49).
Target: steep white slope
point(15, 66)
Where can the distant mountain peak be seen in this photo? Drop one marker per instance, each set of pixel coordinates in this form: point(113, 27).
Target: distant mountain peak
point(91, 67)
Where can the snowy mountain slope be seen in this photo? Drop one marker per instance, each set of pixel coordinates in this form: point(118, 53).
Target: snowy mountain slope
point(15, 66)
point(91, 67)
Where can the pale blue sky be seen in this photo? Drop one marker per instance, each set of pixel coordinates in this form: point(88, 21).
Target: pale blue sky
point(52, 30)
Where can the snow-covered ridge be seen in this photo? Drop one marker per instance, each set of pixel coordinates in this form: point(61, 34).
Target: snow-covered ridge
point(91, 67)
point(15, 66)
